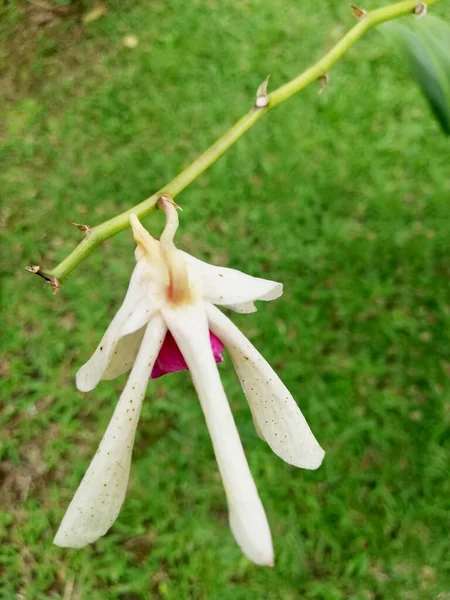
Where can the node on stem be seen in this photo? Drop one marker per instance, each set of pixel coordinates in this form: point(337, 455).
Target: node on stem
point(36, 270)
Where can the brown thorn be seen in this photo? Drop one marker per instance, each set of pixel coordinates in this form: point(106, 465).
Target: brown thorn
point(359, 13)
point(324, 79)
point(36, 270)
point(86, 229)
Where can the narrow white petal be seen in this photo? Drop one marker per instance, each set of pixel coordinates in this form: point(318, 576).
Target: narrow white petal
point(248, 521)
point(124, 355)
point(277, 417)
point(146, 244)
point(137, 308)
point(100, 495)
point(231, 288)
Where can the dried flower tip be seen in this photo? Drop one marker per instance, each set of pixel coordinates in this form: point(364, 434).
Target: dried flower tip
point(421, 9)
point(324, 79)
point(262, 97)
point(359, 13)
point(85, 228)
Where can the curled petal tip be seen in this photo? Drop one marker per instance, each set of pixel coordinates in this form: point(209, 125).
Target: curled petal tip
point(164, 200)
point(170, 208)
point(136, 228)
point(145, 242)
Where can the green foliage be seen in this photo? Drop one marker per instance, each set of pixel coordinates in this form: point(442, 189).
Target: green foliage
point(342, 196)
point(425, 44)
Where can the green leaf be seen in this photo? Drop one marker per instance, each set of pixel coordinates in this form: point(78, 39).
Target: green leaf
point(425, 44)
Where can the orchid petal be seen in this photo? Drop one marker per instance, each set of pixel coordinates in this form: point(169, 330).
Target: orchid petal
point(276, 415)
point(231, 288)
point(124, 355)
point(146, 245)
point(188, 325)
point(100, 495)
point(137, 308)
point(170, 359)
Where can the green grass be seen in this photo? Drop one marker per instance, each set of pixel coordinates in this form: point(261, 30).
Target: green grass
point(343, 197)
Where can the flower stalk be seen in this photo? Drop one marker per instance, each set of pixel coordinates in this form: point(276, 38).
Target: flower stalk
point(120, 222)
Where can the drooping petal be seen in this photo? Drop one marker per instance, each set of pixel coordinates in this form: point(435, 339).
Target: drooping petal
point(277, 417)
point(140, 303)
point(231, 288)
point(100, 495)
point(189, 327)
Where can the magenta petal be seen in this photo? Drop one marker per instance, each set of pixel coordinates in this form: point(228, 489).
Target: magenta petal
point(170, 359)
point(216, 347)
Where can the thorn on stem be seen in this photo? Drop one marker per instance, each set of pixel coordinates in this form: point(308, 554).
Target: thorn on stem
point(420, 9)
point(359, 13)
point(36, 270)
point(84, 228)
point(262, 97)
point(324, 79)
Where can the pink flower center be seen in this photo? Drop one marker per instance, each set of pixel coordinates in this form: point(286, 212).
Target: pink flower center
point(171, 360)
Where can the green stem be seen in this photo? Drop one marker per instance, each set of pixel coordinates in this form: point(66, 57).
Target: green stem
point(109, 228)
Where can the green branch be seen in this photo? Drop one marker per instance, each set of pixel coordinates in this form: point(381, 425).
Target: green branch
point(96, 235)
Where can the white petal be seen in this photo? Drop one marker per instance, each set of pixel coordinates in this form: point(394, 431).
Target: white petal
point(231, 288)
point(146, 245)
point(100, 495)
point(189, 327)
point(140, 303)
point(275, 412)
point(124, 355)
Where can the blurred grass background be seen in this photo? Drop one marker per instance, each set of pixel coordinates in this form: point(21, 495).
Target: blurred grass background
point(343, 197)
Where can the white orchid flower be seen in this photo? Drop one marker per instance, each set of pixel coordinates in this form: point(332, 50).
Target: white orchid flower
point(168, 322)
